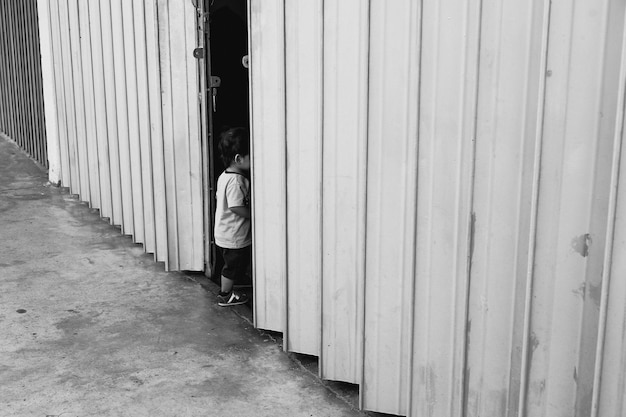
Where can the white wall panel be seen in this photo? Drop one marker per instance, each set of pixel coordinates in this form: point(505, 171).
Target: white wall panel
point(144, 139)
point(267, 71)
point(121, 108)
point(91, 132)
point(70, 150)
point(78, 89)
point(581, 88)
point(49, 91)
point(134, 140)
point(610, 382)
point(63, 170)
point(156, 132)
point(449, 83)
point(303, 51)
point(346, 40)
point(167, 120)
point(99, 110)
point(391, 201)
point(507, 108)
point(194, 236)
point(108, 96)
point(111, 112)
point(183, 173)
point(184, 140)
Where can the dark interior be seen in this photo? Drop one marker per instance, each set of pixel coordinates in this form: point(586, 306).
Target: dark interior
point(228, 44)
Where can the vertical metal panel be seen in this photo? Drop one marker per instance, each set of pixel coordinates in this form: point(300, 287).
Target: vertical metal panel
point(78, 103)
point(194, 249)
point(111, 112)
point(121, 107)
point(132, 100)
point(21, 93)
point(573, 198)
point(14, 45)
point(22, 64)
point(91, 132)
point(107, 97)
point(71, 149)
point(181, 135)
point(55, 30)
point(156, 132)
point(506, 125)
point(39, 106)
point(610, 376)
point(206, 141)
point(344, 180)
point(303, 50)
point(391, 201)
point(267, 69)
point(49, 91)
point(445, 184)
point(167, 92)
point(100, 135)
point(4, 110)
point(144, 139)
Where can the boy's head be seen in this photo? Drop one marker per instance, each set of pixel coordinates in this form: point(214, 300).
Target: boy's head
point(234, 147)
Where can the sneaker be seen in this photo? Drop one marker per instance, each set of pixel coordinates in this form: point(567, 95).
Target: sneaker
point(233, 298)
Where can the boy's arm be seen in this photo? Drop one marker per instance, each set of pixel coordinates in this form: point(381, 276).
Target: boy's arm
point(242, 211)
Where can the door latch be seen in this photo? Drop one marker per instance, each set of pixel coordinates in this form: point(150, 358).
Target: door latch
point(214, 83)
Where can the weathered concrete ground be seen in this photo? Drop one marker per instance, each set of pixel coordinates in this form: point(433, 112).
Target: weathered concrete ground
point(91, 326)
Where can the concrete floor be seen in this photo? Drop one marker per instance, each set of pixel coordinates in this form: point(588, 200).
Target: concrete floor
point(91, 326)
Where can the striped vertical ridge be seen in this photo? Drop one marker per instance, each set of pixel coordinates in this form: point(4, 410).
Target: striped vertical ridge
point(343, 188)
point(48, 90)
point(304, 172)
point(156, 133)
point(267, 70)
point(132, 100)
point(607, 264)
point(91, 132)
point(101, 135)
point(391, 203)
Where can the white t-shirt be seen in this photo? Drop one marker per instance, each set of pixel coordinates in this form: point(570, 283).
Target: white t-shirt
point(231, 230)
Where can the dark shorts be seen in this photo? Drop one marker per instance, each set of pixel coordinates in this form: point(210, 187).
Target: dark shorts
point(236, 263)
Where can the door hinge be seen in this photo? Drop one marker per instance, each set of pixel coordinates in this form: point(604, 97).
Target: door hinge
point(198, 53)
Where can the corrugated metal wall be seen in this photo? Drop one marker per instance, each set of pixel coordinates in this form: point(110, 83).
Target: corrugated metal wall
point(21, 85)
point(438, 211)
point(124, 117)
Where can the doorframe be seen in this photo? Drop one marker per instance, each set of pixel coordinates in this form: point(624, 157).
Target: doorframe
point(208, 136)
point(206, 107)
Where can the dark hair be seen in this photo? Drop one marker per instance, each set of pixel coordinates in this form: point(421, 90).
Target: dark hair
point(232, 142)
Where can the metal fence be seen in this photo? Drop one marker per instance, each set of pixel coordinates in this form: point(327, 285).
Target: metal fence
point(21, 94)
point(437, 200)
point(438, 208)
point(124, 120)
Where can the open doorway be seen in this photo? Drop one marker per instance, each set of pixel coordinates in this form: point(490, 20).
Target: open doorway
point(227, 94)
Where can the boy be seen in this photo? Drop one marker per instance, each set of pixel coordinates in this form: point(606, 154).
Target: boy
point(233, 233)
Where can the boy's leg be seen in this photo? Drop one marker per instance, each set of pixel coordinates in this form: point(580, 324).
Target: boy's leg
point(235, 263)
point(226, 284)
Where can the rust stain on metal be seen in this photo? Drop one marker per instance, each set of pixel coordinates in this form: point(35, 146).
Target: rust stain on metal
point(472, 237)
point(595, 293)
point(581, 244)
point(581, 290)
